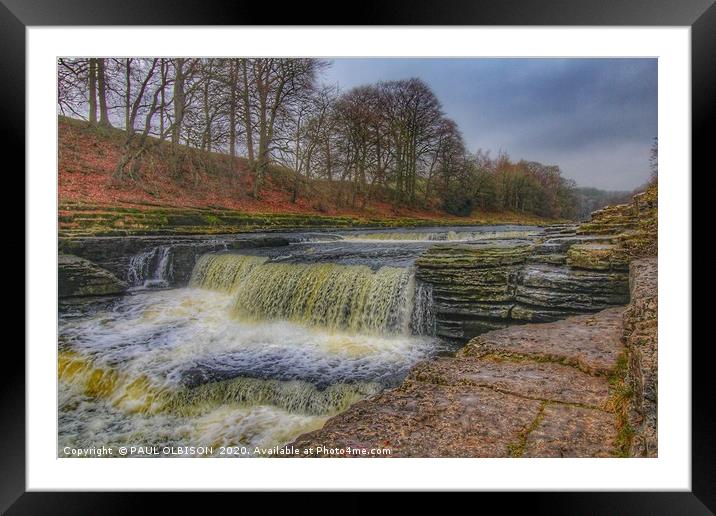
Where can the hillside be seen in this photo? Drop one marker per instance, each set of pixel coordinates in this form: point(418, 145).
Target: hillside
point(205, 192)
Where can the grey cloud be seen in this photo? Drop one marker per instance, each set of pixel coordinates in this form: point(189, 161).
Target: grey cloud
point(595, 118)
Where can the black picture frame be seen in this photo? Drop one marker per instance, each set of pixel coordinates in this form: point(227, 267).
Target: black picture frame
point(700, 15)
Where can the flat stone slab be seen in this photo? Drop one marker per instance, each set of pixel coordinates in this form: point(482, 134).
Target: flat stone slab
point(537, 390)
point(428, 420)
point(569, 431)
point(590, 342)
point(536, 380)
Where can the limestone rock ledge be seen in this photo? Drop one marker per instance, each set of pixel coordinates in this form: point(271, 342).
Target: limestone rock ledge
point(567, 270)
point(80, 277)
point(584, 386)
point(641, 338)
point(524, 391)
point(478, 288)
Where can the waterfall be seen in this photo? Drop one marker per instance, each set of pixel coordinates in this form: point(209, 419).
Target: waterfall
point(137, 393)
point(223, 272)
point(152, 268)
point(423, 315)
point(351, 297)
point(345, 297)
point(192, 365)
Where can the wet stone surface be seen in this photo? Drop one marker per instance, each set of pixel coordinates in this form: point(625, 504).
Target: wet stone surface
point(567, 431)
point(539, 380)
point(538, 390)
point(592, 343)
point(428, 420)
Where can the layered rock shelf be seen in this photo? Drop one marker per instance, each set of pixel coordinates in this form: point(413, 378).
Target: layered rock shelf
point(561, 389)
point(569, 270)
point(478, 288)
point(80, 277)
point(582, 386)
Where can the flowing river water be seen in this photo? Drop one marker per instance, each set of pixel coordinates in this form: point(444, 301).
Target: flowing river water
point(261, 346)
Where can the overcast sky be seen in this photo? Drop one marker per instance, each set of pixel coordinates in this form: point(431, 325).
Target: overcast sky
point(595, 118)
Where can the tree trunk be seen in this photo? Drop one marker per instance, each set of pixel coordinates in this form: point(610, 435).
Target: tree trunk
point(264, 136)
point(297, 164)
point(232, 113)
point(127, 95)
point(102, 90)
point(162, 106)
point(248, 125)
point(207, 115)
point(93, 91)
point(178, 100)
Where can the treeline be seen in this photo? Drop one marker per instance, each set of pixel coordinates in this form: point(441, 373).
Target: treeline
point(592, 199)
point(389, 141)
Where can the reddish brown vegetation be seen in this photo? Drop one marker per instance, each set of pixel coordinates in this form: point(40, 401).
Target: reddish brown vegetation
point(88, 157)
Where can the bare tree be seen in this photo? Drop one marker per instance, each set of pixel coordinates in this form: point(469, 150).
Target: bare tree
point(147, 98)
point(102, 89)
point(414, 114)
point(306, 120)
point(72, 81)
point(269, 85)
point(92, 92)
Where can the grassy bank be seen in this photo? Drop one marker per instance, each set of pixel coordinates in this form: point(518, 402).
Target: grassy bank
point(80, 219)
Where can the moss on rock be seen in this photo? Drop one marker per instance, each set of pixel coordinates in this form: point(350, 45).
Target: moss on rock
point(599, 256)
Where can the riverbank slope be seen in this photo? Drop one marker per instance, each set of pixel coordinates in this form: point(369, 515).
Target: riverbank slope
point(211, 195)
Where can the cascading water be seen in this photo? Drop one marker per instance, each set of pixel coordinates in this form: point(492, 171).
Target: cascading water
point(337, 297)
point(152, 268)
point(252, 353)
point(353, 298)
point(223, 272)
point(423, 318)
point(260, 347)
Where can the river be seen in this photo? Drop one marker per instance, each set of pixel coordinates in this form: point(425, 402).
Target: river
point(261, 346)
